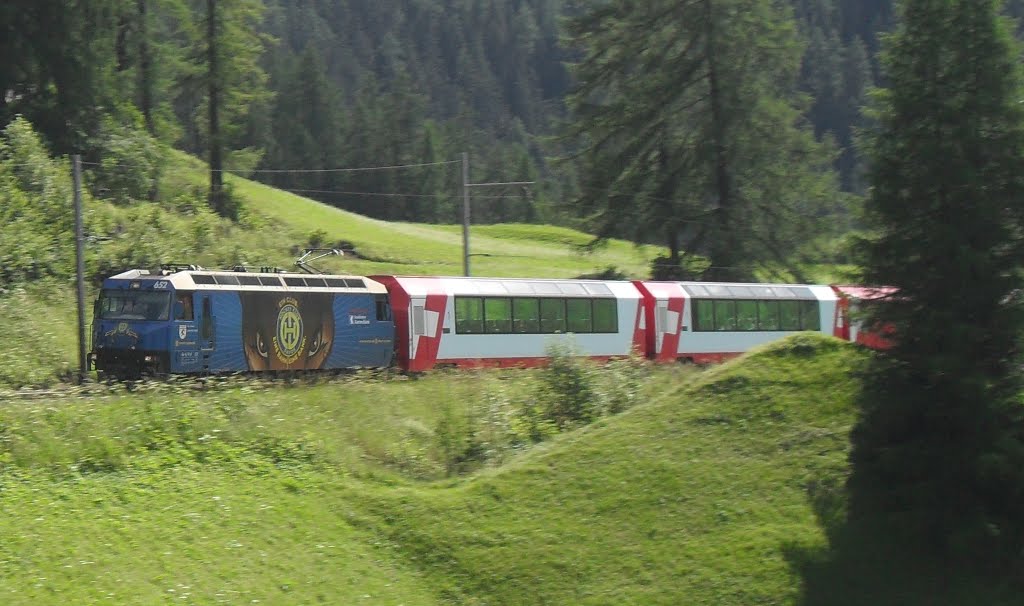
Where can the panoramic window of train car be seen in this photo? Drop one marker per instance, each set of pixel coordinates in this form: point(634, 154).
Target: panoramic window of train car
point(526, 316)
point(579, 315)
point(746, 315)
point(552, 316)
point(768, 315)
point(469, 315)
point(725, 315)
point(606, 315)
point(789, 315)
point(497, 315)
point(134, 305)
point(754, 315)
point(810, 315)
point(529, 315)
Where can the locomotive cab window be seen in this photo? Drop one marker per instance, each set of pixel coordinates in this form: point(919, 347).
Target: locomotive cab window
point(383, 308)
point(183, 306)
point(134, 305)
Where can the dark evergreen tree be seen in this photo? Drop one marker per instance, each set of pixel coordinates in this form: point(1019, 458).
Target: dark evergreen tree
point(218, 98)
point(692, 132)
point(938, 449)
point(57, 66)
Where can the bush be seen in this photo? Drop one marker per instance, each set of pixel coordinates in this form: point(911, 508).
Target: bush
point(36, 221)
point(130, 164)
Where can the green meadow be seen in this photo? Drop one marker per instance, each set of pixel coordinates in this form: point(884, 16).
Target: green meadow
point(717, 486)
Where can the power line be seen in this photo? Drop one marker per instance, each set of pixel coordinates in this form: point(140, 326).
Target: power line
point(302, 170)
point(392, 194)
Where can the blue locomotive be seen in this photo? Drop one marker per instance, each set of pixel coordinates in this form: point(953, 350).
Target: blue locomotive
point(188, 320)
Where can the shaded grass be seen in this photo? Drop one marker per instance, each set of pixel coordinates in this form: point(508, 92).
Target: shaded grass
point(723, 487)
point(708, 495)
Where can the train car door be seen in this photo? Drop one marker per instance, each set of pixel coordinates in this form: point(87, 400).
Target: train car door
point(660, 324)
point(207, 329)
point(417, 325)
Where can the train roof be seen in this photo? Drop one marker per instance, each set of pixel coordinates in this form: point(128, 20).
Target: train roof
point(864, 292)
point(740, 290)
point(227, 280)
point(514, 287)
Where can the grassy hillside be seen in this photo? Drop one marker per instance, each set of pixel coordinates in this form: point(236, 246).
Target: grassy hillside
point(408, 248)
point(719, 489)
point(38, 323)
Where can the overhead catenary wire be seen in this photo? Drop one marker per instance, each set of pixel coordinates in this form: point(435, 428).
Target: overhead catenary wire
point(393, 194)
point(303, 170)
point(383, 194)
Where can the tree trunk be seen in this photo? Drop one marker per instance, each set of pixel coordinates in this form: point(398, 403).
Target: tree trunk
point(213, 83)
point(145, 69)
point(723, 263)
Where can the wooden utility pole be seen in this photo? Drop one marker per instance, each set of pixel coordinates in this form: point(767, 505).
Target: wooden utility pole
point(76, 173)
point(465, 206)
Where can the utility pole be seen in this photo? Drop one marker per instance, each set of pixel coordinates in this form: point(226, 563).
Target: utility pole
point(79, 265)
point(465, 213)
point(465, 206)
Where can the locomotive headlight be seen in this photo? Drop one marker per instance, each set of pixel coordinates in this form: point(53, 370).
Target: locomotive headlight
point(149, 358)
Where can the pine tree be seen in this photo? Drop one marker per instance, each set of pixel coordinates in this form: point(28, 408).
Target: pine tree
point(231, 85)
point(939, 447)
point(685, 111)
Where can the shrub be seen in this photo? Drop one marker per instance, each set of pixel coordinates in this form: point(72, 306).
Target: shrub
point(130, 164)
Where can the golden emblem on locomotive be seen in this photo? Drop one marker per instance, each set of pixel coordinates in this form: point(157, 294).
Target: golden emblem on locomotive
point(289, 340)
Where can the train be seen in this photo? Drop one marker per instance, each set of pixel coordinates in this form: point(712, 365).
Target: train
point(185, 319)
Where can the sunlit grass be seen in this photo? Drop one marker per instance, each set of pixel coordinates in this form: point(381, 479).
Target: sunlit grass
point(715, 487)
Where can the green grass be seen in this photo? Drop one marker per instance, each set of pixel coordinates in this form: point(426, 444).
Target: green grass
point(419, 249)
point(722, 487)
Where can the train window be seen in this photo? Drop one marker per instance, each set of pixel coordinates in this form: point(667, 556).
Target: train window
point(316, 282)
point(469, 315)
point(227, 280)
point(597, 288)
point(746, 315)
point(206, 326)
point(336, 282)
point(703, 314)
point(789, 315)
point(183, 306)
point(354, 283)
point(383, 308)
point(295, 281)
point(606, 315)
point(768, 315)
point(270, 281)
point(202, 279)
point(248, 280)
point(552, 315)
point(579, 315)
point(497, 315)
point(526, 316)
point(725, 314)
point(810, 316)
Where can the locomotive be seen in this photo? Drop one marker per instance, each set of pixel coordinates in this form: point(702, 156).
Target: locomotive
point(183, 319)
